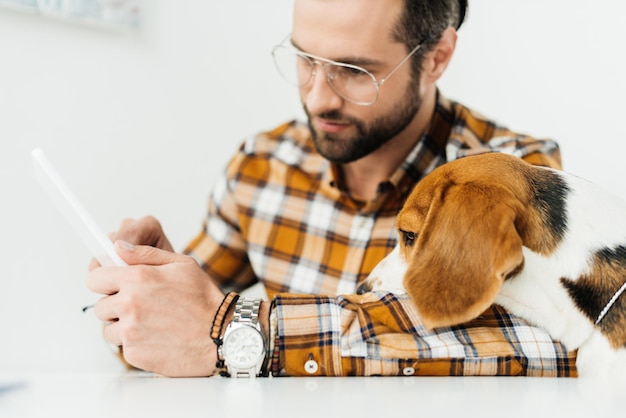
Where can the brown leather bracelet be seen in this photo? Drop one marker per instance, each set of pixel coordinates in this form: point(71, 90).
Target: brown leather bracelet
point(218, 322)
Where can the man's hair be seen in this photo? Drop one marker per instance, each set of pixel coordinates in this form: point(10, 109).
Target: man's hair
point(424, 21)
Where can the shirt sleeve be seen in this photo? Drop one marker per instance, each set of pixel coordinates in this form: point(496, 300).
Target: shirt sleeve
point(379, 334)
point(219, 248)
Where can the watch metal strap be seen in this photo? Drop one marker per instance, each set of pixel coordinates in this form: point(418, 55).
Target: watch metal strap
point(247, 310)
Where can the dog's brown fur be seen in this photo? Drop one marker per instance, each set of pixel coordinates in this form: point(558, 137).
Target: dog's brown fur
point(466, 247)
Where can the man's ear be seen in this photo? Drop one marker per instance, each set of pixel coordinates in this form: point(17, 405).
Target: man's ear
point(437, 60)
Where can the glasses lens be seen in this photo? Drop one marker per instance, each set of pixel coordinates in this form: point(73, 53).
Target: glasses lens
point(294, 68)
point(352, 83)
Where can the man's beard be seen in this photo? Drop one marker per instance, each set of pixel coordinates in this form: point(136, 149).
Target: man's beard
point(369, 137)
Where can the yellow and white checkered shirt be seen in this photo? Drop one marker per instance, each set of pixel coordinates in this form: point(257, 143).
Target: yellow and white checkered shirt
point(279, 215)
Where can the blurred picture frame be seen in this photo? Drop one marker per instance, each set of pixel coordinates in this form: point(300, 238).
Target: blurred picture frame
point(107, 13)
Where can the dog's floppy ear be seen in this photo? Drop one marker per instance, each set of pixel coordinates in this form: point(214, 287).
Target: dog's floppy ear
point(466, 248)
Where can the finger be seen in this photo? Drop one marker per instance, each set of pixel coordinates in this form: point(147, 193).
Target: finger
point(144, 231)
point(112, 333)
point(108, 308)
point(105, 280)
point(131, 231)
point(93, 264)
point(144, 254)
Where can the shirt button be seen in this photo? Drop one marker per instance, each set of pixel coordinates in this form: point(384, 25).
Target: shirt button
point(408, 371)
point(311, 366)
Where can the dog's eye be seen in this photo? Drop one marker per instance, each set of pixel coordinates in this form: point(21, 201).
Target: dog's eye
point(408, 237)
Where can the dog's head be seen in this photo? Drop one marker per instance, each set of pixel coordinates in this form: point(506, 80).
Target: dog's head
point(461, 232)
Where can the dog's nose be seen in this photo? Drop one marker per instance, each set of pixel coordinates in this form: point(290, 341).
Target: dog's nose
point(363, 288)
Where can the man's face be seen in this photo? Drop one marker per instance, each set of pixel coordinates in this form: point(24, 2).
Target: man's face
point(356, 32)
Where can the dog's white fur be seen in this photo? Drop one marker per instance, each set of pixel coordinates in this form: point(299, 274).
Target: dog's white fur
point(530, 283)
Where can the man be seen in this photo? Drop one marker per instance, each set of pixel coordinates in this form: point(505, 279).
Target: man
point(308, 211)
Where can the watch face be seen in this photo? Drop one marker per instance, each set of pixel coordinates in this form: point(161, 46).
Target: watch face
point(243, 347)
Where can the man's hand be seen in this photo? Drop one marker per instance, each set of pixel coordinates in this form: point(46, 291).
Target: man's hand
point(159, 309)
point(144, 231)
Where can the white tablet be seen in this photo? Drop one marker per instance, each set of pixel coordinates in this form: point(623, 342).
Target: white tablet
point(74, 212)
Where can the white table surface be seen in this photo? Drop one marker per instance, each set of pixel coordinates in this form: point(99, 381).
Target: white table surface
point(146, 395)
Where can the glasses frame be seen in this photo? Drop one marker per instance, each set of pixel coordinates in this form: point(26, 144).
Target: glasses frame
point(325, 63)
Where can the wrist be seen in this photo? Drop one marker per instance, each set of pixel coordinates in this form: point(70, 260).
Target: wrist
point(264, 319)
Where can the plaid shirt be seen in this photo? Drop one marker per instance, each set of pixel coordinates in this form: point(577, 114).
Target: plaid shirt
point(279, 215)
point(380, 334)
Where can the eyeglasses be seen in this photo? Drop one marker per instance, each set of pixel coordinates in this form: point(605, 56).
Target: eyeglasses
point(351, 82)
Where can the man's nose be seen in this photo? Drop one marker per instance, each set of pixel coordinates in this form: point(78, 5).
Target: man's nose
point(318, 95)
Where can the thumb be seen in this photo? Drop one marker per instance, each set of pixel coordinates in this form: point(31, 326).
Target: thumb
point(144, 254)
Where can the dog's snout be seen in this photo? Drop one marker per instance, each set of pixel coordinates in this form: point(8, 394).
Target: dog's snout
point(364, 287)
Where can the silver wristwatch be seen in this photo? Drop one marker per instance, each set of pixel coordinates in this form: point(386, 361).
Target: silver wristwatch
point(243, 347)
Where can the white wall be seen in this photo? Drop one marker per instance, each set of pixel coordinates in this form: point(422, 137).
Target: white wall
point(141, 123)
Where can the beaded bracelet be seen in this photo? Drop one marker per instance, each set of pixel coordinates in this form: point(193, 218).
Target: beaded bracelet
point(218, 322)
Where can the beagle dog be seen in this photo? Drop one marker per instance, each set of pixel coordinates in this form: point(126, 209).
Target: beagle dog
point(547, 246)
